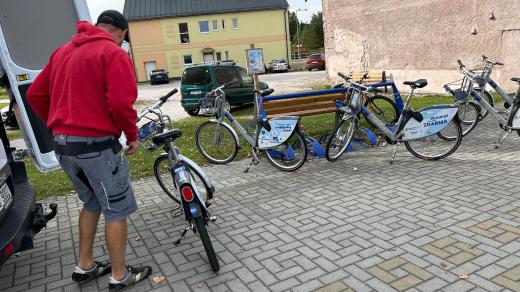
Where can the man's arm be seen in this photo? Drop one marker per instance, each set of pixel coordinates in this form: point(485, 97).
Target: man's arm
point(121, 94)
point(38, 94)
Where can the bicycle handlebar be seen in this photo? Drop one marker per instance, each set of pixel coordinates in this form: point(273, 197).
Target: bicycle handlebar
point(343, 76)
point(486, 59)
point(165, 98)
point(156, 105)
point(356, 85)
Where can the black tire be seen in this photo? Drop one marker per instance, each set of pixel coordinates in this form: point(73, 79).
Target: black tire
point(455, 131)
point(205, 140)
point(309, 69)
point(489, 98)
point(296, 141)
point(339, 140)
point(206, 242)
point(161, 171)
point(382, 107)
point(469, 115)
point(194, 111)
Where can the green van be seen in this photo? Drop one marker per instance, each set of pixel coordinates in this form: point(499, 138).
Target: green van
point(197, 80)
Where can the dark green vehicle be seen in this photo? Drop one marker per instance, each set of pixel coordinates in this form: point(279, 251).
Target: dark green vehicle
point(197, 80)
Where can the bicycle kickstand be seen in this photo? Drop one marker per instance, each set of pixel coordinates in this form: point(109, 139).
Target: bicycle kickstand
point(502, 138)
point(254, 161)
point(183, 233)
point(395, 152)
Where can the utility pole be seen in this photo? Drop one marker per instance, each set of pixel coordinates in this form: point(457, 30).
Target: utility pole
point(298, 30)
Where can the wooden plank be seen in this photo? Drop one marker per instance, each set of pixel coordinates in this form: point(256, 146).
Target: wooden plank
point(307, 113)
point(303, 101)
point(300, 108)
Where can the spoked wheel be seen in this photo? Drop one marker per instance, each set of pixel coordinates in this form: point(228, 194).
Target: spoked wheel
point(489, 98)
point(382, 107)
point(200, 225)
point(216, 142)
point(161, 170)
point(290, 155)
point(469, 116)
point(434, 147)
point(340, 138)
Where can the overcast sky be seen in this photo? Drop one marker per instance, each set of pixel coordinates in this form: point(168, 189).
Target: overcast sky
point(312, 6)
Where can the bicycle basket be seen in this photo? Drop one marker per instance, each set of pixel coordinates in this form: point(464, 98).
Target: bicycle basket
point(147, 130)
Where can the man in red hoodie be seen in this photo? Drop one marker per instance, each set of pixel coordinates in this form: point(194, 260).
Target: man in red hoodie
point(85, 94)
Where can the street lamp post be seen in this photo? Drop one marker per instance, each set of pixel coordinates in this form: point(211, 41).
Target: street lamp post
point(298, 30)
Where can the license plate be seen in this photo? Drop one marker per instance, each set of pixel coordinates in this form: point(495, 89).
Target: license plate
point(5, 197)
point(196, 92)
point(314, 62)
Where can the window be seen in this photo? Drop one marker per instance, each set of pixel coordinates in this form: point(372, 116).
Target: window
point(219, 56)
point(235, 23)
point(204, 26)
point(215, 25)
point(187, 59)
point(246, 78)
point(224, 76)
point(196, 76)
point(223, 24)
point(183, 31)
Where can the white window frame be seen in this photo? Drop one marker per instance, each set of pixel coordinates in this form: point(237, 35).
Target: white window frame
point(233, 22)
point(200, 27)
point(214, 25)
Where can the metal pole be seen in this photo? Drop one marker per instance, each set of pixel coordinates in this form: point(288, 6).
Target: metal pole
point(298, 35)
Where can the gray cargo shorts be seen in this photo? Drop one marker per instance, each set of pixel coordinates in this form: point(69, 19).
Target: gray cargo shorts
point(101, 179)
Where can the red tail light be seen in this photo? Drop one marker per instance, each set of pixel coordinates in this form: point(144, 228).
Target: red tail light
point(9, 249)
point(187, 194)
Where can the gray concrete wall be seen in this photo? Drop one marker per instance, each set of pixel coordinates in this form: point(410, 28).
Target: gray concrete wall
point(413, 39)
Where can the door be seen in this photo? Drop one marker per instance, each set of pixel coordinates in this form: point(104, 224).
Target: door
point(149, 67)
point(208, 57)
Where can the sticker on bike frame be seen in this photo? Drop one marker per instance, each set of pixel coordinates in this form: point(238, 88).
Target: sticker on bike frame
point(434, 120)
point(281, 129)
point(516, 120)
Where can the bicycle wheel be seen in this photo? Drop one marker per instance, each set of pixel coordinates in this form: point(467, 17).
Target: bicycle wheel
point(340, 139)
point(162, 173)
point(434, 147)
point(487, 97)
point(382, 107)
point(206, 242)
point(216, 142)
point(469, 116)
point(290, 155)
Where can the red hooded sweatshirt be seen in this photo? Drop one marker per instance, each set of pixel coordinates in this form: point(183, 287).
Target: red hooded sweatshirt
point(88, 87)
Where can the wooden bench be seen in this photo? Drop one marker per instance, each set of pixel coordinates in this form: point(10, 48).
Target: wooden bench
point(303, 106)
point(371, 77)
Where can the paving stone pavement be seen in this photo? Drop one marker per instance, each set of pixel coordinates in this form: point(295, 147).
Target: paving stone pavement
point(450, 225)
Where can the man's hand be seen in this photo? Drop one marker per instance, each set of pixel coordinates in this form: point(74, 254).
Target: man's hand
point(132, 147)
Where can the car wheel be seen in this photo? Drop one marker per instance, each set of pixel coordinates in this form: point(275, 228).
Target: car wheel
point(309, 69)
point(193, 111)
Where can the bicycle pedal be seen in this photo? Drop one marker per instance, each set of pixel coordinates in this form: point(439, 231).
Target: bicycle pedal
point(213, 219)
point(208, 204)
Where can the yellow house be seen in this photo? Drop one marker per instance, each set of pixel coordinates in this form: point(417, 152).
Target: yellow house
point(168, 34)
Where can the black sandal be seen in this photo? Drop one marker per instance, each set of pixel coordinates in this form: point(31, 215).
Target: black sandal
point(102, 268)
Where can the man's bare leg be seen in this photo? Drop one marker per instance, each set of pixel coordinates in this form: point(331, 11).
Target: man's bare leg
point(88, 222)
point(116, 237)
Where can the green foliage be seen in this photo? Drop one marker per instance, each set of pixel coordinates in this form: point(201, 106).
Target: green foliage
point(312, 35)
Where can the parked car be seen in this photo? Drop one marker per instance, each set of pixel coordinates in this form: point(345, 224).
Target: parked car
point(315, 61)
point(197, 80)
point(278, 65)
point(159, 76)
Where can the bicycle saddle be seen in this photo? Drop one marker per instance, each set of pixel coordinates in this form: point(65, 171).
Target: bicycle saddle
point(264, 92)
point(515, 79)
point(163, 137)
point(420, 83)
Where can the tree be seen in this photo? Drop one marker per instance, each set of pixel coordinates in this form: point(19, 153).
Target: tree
point(311, 35)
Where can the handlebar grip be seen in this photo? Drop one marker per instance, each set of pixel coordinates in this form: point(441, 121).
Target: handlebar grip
point(342, 76)
point(165, 98)
point(499, 64)
point(484, 57)
point(460, 63)
point(448, 89)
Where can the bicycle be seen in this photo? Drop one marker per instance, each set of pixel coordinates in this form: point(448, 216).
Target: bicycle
point(509, 120)
point(279, 138)
point(435, 126)
point(183, 181)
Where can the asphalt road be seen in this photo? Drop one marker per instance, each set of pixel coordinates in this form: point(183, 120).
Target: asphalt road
point(281, 82)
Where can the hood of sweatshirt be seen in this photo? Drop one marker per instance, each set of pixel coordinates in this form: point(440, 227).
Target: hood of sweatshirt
point(89, 33)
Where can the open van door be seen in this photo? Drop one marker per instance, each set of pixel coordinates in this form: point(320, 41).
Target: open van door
point(30, 30)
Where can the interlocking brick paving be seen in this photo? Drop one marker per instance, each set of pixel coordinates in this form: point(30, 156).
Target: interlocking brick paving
point(327, 226)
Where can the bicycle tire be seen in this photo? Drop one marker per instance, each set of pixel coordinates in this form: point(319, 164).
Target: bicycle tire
point(343, 143)
point(200, 225)
point(489, 98)
point(161, 164)
point(469, 116)
point(208, 130)
point(432, 139)
point(282, 151)
point(384, 108)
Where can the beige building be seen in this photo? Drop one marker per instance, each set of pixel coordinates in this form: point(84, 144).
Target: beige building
point(422, 38)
